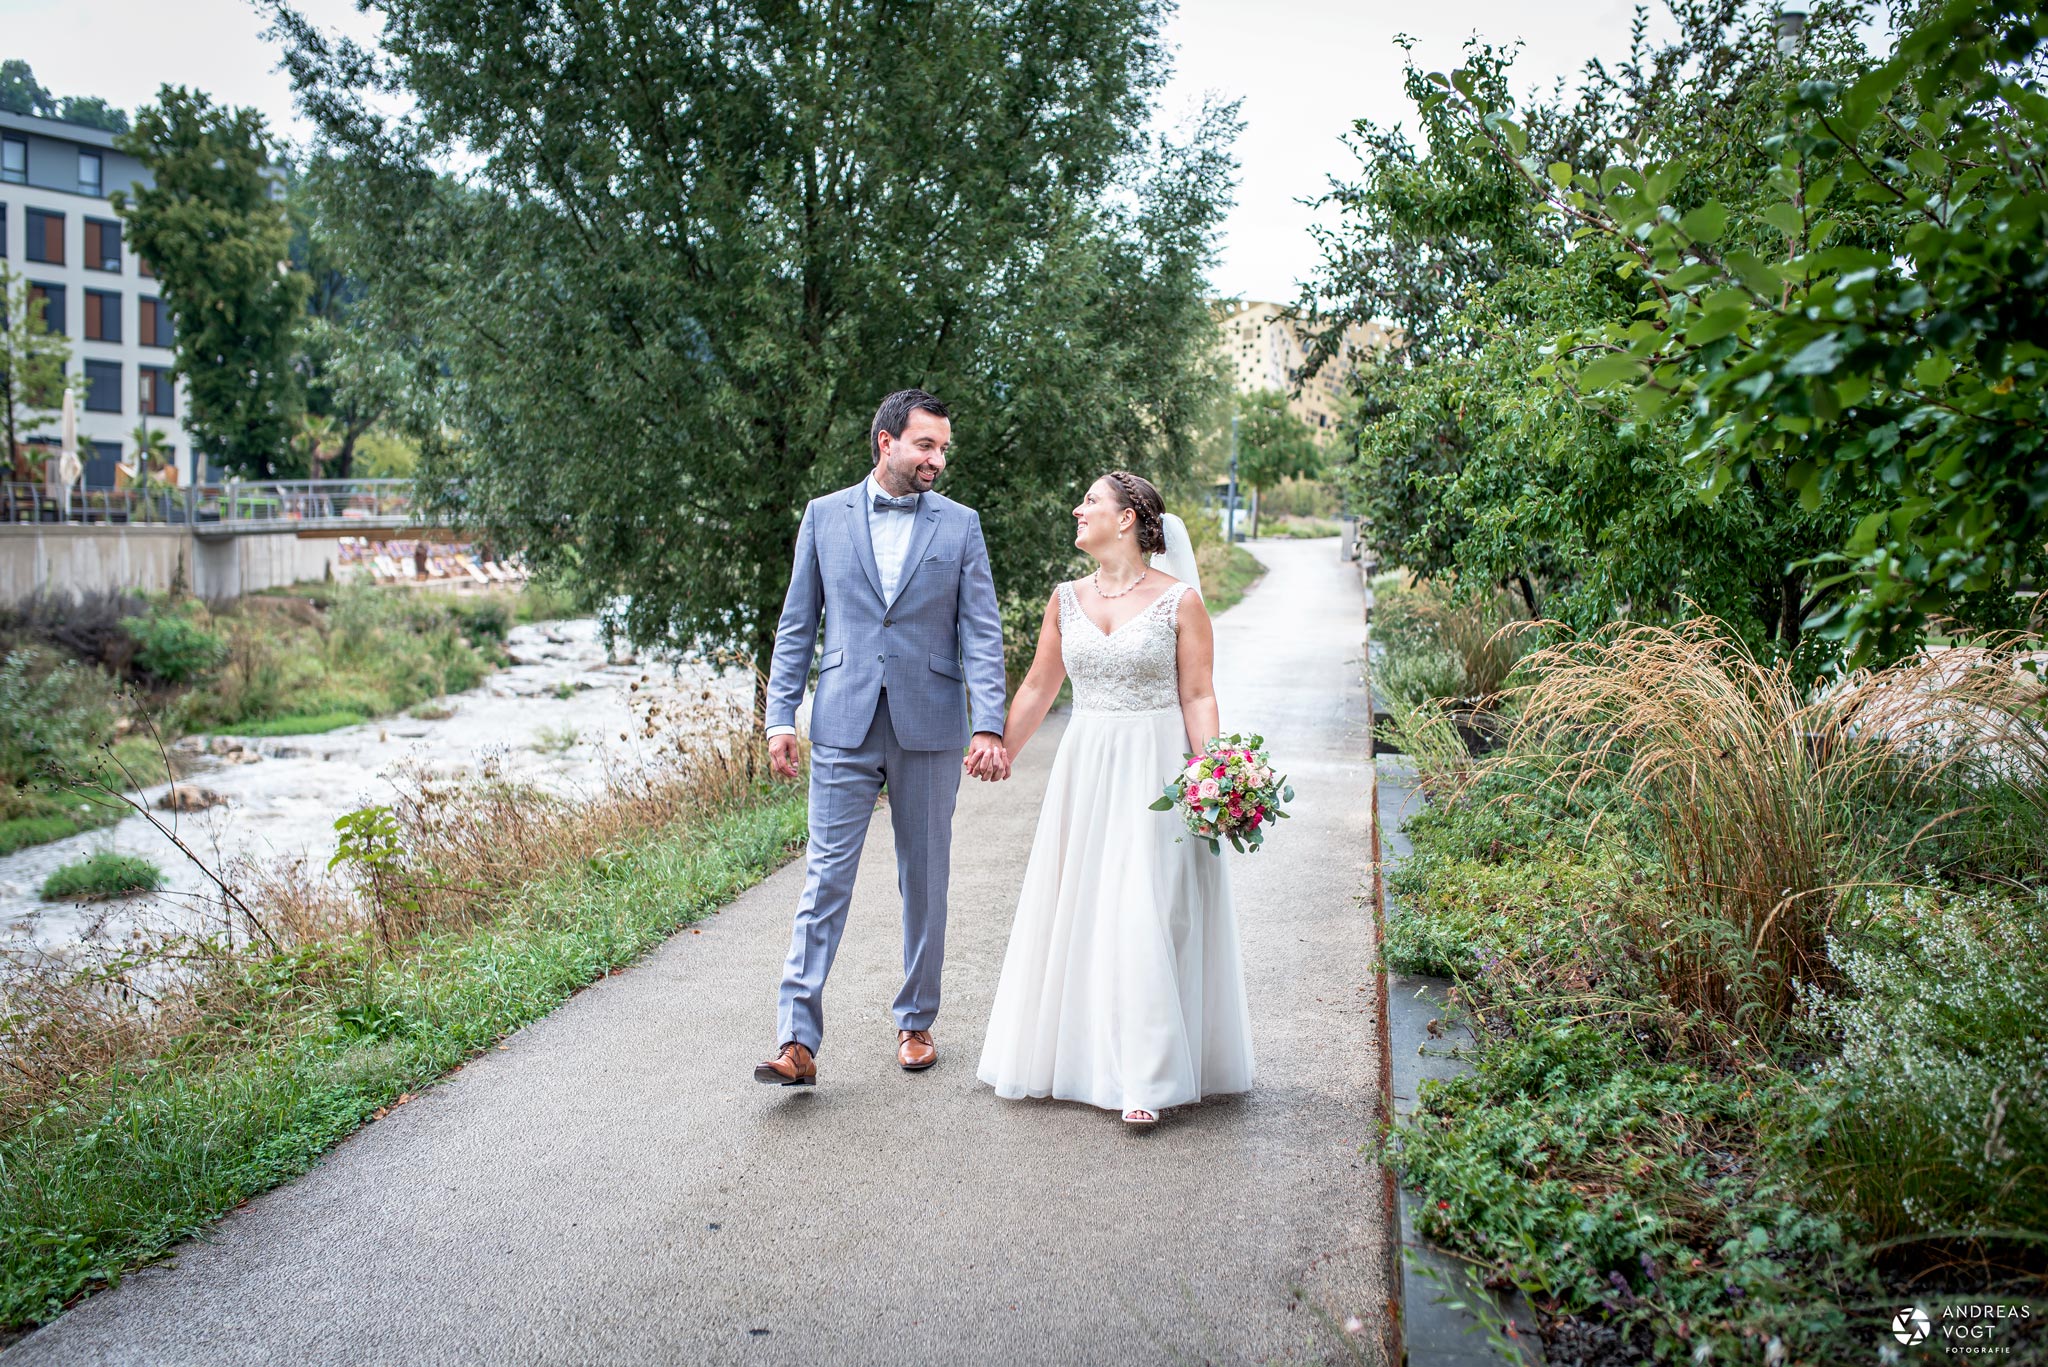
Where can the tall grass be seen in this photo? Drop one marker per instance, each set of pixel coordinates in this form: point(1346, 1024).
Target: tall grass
point(1771, 810)
point(1440, 643)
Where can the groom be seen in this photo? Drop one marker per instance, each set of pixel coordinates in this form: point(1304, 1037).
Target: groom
point(912, 635)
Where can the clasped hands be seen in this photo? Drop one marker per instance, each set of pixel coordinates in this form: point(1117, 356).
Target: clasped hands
point(986, 759)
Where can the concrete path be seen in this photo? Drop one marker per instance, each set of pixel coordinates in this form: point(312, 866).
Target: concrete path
point(615, 1189)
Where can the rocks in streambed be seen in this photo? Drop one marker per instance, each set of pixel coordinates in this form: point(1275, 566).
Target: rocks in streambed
point(187, 797)
point(227, 749)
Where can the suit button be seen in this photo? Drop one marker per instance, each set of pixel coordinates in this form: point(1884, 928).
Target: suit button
point(888, 621)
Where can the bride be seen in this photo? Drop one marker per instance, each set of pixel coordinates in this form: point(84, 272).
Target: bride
point(1122, 986)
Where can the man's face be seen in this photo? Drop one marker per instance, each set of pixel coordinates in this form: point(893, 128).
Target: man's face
point(911, 463)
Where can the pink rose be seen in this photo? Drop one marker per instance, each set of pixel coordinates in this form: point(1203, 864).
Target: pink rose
point(1208, 789)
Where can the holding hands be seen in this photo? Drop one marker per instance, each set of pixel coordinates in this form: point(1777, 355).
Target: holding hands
point(987, 759)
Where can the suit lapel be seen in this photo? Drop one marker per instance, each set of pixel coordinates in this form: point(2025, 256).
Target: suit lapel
point(857, 533)
point(920, 537)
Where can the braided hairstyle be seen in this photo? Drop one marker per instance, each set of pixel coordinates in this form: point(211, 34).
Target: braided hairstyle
point(1136, 493)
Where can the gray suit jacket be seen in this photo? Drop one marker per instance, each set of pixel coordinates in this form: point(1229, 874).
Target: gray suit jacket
point(937, 646)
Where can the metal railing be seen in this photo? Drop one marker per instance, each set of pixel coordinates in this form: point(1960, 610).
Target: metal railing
point(230, 506)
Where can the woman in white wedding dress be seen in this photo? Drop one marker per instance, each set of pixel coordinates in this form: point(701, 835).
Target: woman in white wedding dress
point(1122, 986)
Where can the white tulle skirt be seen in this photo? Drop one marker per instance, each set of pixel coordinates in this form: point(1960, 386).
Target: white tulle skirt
point(1122, 985)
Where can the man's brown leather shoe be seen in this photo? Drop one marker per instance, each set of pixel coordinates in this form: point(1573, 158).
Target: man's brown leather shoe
point(915, 1051)
point(793, 1067)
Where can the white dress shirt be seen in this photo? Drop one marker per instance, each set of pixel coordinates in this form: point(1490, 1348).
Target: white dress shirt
point(889, 530)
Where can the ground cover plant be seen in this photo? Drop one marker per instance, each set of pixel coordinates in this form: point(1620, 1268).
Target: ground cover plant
point(150, 1086)
point(1756, 974)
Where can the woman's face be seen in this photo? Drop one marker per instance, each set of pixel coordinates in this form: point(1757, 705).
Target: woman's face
point(1098, 517)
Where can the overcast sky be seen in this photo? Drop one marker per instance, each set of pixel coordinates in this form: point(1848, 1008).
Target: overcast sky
point(1304, 69)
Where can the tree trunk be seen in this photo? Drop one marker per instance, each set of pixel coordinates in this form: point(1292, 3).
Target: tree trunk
point(1790, 588)
point(345, 459)
point(1528, 591)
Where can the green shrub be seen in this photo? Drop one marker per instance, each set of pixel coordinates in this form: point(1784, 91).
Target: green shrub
point(51, 711)
point(1419, 674)
point(171, 648)
point(104, 874)
point(482, 619)
point(1934, 1115)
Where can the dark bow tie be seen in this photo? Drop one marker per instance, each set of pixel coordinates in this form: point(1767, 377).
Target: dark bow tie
point(905, 504)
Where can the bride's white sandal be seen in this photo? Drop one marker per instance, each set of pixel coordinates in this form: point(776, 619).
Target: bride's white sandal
point(1137, 1117)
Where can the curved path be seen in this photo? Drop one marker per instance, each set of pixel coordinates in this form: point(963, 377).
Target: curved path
point(614, 1188)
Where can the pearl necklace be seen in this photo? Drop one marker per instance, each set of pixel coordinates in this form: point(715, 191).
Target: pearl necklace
point(1097, 579)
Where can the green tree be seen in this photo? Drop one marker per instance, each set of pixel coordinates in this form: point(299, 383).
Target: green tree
point(316, 440)
point(219, 242)
point(355, 360)
point(93, 112)
point(1874, 319)
point(698, 243)
point(1273, 443)
point(1471, 459)
point(152, 447)
point(32, 361)
point(22, 93)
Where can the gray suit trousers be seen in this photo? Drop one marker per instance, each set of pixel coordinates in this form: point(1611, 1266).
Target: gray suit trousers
point(923, 785)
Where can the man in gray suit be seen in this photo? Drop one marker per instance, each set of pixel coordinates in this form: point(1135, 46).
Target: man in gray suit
point(913, 648)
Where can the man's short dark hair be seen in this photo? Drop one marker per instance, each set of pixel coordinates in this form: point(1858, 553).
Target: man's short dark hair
point(895, 413)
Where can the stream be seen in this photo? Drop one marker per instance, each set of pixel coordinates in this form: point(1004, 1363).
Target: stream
point(559, 718)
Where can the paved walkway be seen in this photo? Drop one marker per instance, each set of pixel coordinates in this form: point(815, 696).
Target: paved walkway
point(615, 1189)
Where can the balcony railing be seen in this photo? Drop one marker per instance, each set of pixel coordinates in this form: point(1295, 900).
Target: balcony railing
point(235, 505)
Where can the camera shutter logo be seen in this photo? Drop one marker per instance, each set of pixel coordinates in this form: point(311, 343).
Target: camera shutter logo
point(1910, 1326)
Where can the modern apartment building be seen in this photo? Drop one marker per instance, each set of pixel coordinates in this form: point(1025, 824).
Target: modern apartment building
point(1264, 349)
point(58, 229)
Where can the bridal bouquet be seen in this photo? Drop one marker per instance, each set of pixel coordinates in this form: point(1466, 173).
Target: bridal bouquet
point(1228, 792)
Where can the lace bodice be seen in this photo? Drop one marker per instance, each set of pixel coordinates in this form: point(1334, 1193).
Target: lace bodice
point(1135, 668)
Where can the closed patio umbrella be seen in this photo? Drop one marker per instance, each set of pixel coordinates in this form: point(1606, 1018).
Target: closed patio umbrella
point(68, 467)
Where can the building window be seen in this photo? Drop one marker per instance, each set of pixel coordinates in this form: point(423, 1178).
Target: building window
point(102, 316)
point(152, 322)
point(100, 460)
point(103, 386)
point(102, 244)
point(45, 237)
point(53, 306)
point(89, 174)
point(14, 160)
point(142, 269)
point(3, 232)
point(154, 389)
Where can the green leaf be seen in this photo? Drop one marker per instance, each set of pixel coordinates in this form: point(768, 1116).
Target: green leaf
point(1817, 357)
point(1716, 325)
point(1786, 218)
point(1604, 372)
point(1933, 370)
point(1164, 804)
point(1705, 223)
point(1560, 174)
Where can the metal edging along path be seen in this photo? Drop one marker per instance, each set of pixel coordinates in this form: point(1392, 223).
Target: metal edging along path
point(1440, 1315)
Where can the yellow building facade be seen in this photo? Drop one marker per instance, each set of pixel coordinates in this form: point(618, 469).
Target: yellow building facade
point(1264, 349)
